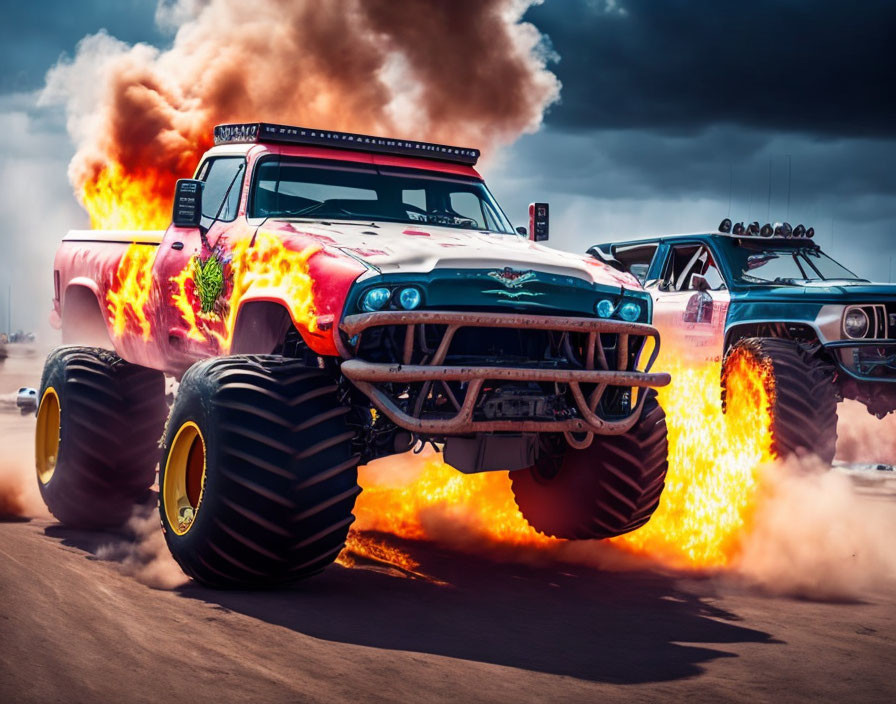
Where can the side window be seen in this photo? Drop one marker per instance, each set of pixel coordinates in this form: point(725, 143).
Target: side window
point(636, 259)
point(218, 175)
point(686, 261)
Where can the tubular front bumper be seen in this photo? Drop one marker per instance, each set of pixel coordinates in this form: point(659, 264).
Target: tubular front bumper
point(366, 375)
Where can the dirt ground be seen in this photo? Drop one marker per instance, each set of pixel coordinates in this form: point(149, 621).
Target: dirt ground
point(74, 627)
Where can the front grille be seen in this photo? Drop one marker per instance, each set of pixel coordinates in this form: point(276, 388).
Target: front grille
point(453, 372)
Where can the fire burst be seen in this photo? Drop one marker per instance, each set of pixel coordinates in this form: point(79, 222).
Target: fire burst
point(711, 486)
point(116, 200)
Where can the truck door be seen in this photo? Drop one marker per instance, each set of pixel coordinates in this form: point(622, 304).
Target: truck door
point(191, 265)
point(690, 304)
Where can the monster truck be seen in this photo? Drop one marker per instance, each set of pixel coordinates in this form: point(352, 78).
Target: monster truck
point(326, 299)
point(772, 294)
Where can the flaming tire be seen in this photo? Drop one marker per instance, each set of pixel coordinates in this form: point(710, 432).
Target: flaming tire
point(97, 440)
point(605, 490)
point(803, 396)
point(258, 477)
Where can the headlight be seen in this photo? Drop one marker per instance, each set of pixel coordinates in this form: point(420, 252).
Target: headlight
point(630, 311)
point(855, 323)
point(604, 308)
point(409, 298)
point(375, 299)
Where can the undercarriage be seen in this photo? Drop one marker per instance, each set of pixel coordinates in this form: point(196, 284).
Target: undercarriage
point(438, 374)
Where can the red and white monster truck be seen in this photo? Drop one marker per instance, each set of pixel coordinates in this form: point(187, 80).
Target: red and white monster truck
point(326, 299)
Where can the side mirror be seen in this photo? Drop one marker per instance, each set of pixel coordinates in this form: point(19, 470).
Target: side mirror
point(699, 283)
point(522, 231)
point(538, 222)
point(187, 211)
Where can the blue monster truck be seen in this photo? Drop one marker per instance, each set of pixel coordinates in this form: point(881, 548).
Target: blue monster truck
point(825, 333)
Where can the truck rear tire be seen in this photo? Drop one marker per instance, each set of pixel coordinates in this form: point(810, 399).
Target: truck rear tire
point(258, 477)
point(610, 488)
point(804, 400)
point(99, 421)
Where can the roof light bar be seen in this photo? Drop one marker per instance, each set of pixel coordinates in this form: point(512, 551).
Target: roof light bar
point(779, 229)
point(284, 134)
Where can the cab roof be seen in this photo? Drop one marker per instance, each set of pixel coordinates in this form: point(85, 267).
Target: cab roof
point(607, 247)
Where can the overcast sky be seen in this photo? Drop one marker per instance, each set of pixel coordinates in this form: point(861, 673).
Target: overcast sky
point(672, 116)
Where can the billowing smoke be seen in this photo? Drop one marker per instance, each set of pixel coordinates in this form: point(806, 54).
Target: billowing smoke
point(466, 71)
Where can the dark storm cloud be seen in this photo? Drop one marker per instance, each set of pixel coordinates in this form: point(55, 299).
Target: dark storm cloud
point(718, 162)
point(34, 35)
point(819, 66)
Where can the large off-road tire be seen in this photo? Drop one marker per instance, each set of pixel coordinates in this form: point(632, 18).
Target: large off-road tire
point(607, 489)
point(99, 421)
point(258, 478)
point(801, 391)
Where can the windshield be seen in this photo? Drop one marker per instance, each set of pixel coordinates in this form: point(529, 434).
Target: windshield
point(785, 265)
point(333, 190)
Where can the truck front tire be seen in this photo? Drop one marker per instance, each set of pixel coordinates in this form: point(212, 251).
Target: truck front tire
point(99, 421)
point(803, 404)
point(610, 488)
point(258, 478)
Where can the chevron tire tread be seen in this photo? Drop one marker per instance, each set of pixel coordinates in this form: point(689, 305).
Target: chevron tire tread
point(610, 488)
point(804, 398)
point(112, 418)
point(281, 476)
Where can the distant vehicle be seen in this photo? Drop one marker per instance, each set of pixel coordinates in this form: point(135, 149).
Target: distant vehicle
point(20, 336)
point(26, 400)
point(771, 292)
point(326, 299)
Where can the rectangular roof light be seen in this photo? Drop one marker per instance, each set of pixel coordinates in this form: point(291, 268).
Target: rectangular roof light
point(284, 134)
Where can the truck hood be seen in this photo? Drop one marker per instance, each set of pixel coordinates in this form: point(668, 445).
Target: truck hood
point(397, 248)
point(823, 292)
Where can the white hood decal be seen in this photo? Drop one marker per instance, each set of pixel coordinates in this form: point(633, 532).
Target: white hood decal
point(397, 248)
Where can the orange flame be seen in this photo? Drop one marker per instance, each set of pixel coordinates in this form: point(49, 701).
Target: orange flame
point(358, 546)
point(128, 296)
point(117, 200)
point(711, 487)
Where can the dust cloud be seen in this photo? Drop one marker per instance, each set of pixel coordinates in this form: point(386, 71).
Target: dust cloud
point(145, 556)
point(815, 536)
point(863, 438)
point(19, 495)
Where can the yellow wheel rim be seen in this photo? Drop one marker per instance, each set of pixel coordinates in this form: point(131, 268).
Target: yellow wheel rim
point(46, 445)
point(184, 479)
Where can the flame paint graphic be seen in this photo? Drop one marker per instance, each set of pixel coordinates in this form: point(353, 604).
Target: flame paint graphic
point(262, 267)
point(128, 296)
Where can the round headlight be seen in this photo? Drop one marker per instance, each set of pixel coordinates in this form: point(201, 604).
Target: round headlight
point(604, 308)
point(855, 324)
point(375, 299)
point(409, 298)
point(630, 311)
